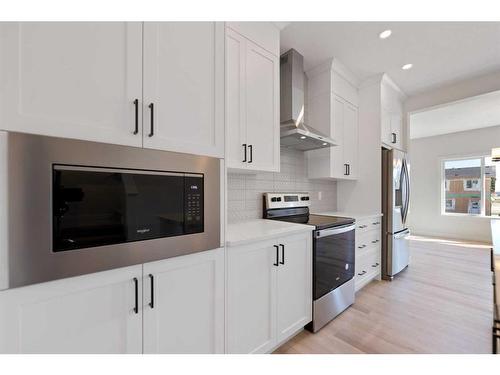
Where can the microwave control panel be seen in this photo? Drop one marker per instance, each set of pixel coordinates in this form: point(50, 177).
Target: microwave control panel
point(193, 204)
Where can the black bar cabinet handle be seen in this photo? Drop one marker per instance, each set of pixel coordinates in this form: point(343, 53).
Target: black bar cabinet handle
point(136, 287)
point(348, 169)
point(393, 137)
point(282, 253)
point(245, 152)
point(251, 153)
point(345, 169)
point(277, 256)
point(136, 104)
point(491, 260)
point(152, 109)
point(152, 280)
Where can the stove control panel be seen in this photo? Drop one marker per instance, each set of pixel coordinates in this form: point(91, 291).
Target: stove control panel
point(285, 200)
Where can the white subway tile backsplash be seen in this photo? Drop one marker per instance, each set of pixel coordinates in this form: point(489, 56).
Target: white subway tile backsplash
point(245, 190)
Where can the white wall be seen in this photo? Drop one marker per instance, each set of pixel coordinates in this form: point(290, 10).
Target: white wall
point(467, 88)
point(425, 206)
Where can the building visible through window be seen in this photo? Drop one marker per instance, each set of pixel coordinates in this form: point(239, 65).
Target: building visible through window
point(470, 187)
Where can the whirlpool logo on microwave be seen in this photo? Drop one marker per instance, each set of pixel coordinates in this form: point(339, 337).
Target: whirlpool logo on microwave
point(143, 230)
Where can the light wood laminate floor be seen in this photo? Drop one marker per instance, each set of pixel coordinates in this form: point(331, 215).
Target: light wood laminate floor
point(442, 303)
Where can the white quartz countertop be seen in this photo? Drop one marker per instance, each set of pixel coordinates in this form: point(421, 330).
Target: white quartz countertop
point(495, 236)
point(354, 215)
point(261, 229)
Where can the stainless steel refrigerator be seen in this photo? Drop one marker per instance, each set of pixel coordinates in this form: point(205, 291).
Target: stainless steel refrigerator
point(395, 203)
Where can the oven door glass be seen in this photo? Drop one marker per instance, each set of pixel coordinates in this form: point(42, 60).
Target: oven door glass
point(333, 261)
point(101, 206)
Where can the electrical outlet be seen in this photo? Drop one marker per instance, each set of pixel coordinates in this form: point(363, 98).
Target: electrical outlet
point(320, 195)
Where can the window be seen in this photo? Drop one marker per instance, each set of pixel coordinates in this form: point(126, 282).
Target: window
point(471, 185)
point(470, 188)
point(450, 205)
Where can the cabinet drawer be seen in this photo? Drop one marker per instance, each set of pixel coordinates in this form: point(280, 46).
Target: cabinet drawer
point(368, 263)
point(367, 240)
point(367, 224)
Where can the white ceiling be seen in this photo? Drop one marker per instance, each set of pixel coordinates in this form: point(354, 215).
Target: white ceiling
point(441, 52)
point(477, 112)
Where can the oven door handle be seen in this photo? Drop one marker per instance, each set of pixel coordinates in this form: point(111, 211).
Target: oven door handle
point(333, 231)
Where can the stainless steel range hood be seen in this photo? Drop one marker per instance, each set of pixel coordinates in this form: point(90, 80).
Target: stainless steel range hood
point(294, 133)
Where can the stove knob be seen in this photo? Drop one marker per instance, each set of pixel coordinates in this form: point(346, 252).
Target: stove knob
point(274, 199)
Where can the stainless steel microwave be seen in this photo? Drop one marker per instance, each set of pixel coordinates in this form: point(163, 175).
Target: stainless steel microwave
point(70, 207)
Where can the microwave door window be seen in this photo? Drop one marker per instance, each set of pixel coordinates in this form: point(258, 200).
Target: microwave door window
point(154, 206)
point(95, 208)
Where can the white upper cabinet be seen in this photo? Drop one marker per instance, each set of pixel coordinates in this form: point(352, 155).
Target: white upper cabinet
point(252, 98)
point(72, 79)
point(350, 147)
point(184, 87)
point(184, 304)
point(333, 110)
point(86, 80)
point(391, 112)
point(98, 313)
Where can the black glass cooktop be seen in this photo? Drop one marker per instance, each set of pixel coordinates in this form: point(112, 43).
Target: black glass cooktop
point(319, 221)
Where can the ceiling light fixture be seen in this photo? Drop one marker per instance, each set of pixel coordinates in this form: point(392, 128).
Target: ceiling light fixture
point(385, 34)
point(325, 144)
point(407, 66)
point(303, 137)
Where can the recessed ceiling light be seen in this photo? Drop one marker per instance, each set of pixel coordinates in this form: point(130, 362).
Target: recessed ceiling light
point(325, 144)
point(385, 34)
point(303, 137)
point(407, 66)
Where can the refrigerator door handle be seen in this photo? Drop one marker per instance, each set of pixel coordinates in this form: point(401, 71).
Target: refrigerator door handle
point(404, 179)
point(407, 181)
point(402, 234)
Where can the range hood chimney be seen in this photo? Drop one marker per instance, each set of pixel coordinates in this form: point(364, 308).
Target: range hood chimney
point(294, 133)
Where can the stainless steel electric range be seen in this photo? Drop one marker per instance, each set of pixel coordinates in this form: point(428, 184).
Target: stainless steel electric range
point(333, 253)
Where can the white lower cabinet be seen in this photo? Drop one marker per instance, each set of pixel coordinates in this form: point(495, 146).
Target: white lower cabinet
point(110, 312)
point(368, 250)
point(87, 314)
point(184, 304)
point(269, 292)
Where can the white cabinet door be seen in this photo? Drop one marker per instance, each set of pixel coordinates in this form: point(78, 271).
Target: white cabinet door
point(262, 109)
point(85, 314)
point(294, 285)
point(343, 158)
point(184, 83)
point(184, 304)
point(337, 153)
point(235, 100)
point(252, 105)
point(386, 130)
point(396, 130)
point(72, 79)
point(350, 144)
point(251, 298)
